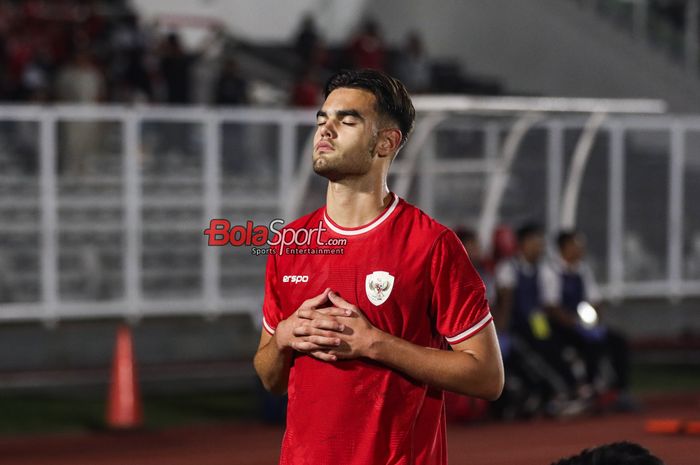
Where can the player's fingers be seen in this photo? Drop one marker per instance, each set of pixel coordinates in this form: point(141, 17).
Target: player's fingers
point(323, 341)
point(305, 346)
point(329, 324)
point(310, 314)
point(308, 330)
point(324, 333)
point(305, 313)
point(325, 356)
point(340, 302)
point(334, 311)
point(314, 302)
point(302, 330)
point(337, 355)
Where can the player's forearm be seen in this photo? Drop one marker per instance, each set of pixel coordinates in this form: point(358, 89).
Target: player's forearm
point(461, 372)
point(272, 365)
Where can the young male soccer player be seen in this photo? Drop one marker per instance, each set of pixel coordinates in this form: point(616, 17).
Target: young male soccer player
point(358, 340)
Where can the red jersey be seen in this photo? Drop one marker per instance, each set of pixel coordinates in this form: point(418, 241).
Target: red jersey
point(412, 278)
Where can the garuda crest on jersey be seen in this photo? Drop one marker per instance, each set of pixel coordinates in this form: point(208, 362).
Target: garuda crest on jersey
point(378, 286)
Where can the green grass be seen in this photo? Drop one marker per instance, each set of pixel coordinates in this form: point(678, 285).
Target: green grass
point(652, 378)
point(35, 413)
point(22, 413)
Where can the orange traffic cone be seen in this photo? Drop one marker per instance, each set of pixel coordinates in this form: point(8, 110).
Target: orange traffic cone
point(664, 426)
point(693, 427)
point(124, 410)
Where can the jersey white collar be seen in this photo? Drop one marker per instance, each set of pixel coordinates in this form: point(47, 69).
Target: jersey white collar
point(354, 232)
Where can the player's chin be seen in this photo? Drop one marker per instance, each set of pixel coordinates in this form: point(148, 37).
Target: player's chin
point(320, 157)
point(319, 164)
point(323, 168)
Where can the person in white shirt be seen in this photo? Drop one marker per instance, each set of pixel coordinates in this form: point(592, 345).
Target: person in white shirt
point(571, 299)
point(537, 375)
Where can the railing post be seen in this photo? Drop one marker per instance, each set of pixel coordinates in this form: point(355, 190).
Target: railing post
point(675, 208)
point(133, 198)
point(616, 211)
point(555, 160)
point(211, 262)
point(49, 216)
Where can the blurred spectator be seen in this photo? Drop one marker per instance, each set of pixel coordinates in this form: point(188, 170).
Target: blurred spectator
point(307, 40)
point(129, 73)
point(505, 244)
point(19, 53)
point(231, 87)
point(210, 59)
point(176, 68)
point(35, 84)
point(537, 379)
point(572, 302)
point(367, 48)
point(413, 65)
point(79, 81)
point(518, 306)
point(5, 84)
point(307, 90)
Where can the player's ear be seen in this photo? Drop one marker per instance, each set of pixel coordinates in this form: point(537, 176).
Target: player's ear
point(389, 142)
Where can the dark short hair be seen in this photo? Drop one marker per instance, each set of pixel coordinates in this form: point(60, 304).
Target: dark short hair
point(528, 230)
point(566, 236)
point(617, 453)
point(391, 95)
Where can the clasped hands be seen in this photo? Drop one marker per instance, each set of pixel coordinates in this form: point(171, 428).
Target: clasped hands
point(328, 328)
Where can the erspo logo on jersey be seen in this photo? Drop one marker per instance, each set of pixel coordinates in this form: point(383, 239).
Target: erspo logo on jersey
point(301, 241)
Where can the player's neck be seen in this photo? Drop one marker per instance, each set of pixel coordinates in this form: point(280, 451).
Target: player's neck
point(350, 205)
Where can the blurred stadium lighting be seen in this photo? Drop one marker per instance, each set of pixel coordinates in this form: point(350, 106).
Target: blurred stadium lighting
point(587, 314)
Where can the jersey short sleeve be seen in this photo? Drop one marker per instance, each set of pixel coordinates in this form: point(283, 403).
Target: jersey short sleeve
point(459, 296)
point(272, 312)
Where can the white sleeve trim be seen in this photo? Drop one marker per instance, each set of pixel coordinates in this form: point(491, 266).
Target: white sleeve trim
point(471, 330)
point(269, 328)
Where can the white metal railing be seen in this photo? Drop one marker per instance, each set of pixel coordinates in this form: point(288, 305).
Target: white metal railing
point(427, 164)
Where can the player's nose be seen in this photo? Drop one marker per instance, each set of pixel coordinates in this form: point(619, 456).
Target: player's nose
point(327, 130)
